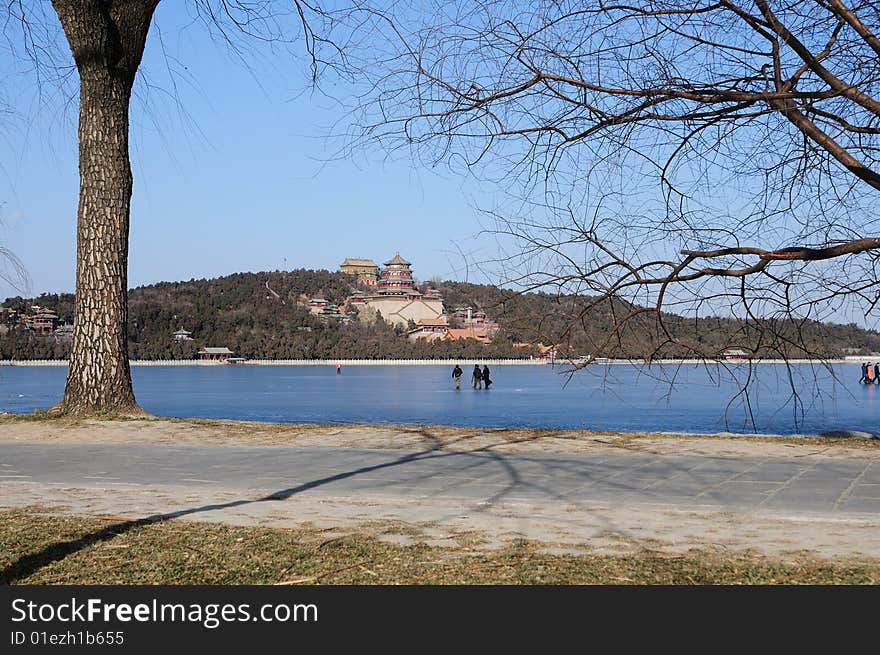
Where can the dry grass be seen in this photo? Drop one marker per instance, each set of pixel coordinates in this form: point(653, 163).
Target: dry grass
point(40, 548)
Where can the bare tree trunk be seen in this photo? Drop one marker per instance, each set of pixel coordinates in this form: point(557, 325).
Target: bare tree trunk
point(107, 40)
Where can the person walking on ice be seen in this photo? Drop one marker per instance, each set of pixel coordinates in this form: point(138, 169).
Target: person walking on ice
point(456, 376)
point(486, 380)
point(478, 377)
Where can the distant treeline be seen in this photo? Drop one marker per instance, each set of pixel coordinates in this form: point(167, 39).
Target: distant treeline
point(239, 311)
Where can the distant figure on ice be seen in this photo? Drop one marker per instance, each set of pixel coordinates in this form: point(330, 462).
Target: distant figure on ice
point(864, 379)
point(876, 372)
point(486, 380)
point(456, 376)
point(870, 374)
point(478, 377)
point(338, 368)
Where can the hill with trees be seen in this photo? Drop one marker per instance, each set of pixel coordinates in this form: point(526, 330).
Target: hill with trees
point(264, 316)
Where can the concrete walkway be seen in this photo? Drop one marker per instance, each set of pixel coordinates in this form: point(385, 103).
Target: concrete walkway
point(199, 481)
point(793, 485)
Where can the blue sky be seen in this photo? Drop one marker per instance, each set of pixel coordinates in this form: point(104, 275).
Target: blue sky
point(233, 172)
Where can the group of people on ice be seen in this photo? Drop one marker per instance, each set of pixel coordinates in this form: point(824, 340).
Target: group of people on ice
point(870, 373)
point(479, 378)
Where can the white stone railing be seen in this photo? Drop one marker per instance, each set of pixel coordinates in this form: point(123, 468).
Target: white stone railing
point(415, 362)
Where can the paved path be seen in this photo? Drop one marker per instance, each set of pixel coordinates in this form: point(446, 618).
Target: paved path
point(823, 487)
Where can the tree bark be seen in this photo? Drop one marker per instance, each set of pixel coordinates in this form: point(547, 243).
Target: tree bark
point(107, 39)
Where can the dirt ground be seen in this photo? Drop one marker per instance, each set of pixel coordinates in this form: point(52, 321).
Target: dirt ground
point(601, 528)
point(402, 437)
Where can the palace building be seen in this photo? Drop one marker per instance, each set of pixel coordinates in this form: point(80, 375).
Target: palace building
point(364, 270)
point(397, 298)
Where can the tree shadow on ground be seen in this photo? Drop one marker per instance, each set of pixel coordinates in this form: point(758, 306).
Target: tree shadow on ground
point(849, 434)
point(30, 564)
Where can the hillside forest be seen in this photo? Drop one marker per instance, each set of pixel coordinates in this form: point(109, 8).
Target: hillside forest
point(239, 311)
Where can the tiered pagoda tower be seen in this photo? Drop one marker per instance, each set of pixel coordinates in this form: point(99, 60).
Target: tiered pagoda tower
point(396, 279)
point(396, 299)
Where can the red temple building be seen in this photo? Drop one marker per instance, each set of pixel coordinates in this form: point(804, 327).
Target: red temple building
point(215, 354)
point(317, 305)
point(44, 322)
point(429, 329)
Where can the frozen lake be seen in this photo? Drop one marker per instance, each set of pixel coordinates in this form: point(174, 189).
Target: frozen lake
point(626, 397)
